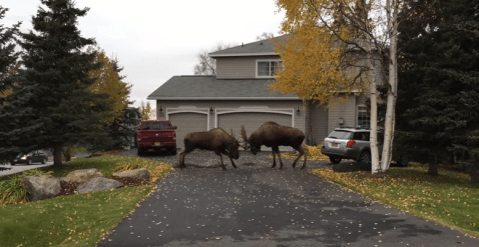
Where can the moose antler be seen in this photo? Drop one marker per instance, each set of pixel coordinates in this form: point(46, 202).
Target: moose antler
point(244, 137)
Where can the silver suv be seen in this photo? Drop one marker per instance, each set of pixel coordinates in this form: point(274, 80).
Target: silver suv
point(353, 143)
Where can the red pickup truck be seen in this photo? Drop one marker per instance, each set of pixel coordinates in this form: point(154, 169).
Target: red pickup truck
point(156, 135)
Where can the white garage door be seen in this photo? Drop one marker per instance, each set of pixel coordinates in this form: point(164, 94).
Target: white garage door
point(187, 122)
point(252, 121)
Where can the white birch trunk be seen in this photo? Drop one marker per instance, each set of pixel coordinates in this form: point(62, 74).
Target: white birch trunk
point(392, 89)
point(373, 137)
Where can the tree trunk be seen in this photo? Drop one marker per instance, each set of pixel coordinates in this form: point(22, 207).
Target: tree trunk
point(57, 155)
point(475, 176)
point(66, 153)
point(392, 89)
point(373, 137)
point(433, 168)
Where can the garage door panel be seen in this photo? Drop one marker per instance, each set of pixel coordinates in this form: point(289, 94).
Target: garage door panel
point(252, 121)
point(186, 123)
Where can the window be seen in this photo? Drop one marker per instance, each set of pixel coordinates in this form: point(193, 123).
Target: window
point(268, 68)
point(156, 125)
point(364, 118)
point(340, 134)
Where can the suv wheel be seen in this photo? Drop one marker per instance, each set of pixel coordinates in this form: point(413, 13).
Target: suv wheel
point(365, 158)
point(173, 150)
point(29, 162)
point(334, 160)
point(44, 161)
point(140, 153)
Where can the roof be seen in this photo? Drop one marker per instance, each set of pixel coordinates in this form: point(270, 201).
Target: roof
point(209, 88)
point(262, 47)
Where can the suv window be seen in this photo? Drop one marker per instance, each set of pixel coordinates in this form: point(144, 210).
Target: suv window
point(340, 134)
point(361, 136)
point(156, 125)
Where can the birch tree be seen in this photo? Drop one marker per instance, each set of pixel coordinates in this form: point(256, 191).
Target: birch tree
point(349, 29)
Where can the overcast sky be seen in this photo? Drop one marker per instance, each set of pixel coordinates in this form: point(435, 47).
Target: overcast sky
point(157, 39)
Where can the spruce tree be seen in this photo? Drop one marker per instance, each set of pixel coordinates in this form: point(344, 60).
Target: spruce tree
point(54, 106)
point(8, 55)
point(438, 110)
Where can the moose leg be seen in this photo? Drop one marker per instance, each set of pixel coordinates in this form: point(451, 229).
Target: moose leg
point(276, 150)
point(233, 163)
point(182, 157)
point(274, 159)
point(301, 152)
point(221, 158)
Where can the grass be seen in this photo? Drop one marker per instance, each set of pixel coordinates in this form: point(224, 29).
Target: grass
point(448, 199)
point(76, 220)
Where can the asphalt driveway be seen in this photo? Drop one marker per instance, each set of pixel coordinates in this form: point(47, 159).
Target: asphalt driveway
point(255, 205)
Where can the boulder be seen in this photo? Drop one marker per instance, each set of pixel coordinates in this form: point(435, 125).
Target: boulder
point(98, 184)
point(81, 176)
point(141, 173)
point(42, 187)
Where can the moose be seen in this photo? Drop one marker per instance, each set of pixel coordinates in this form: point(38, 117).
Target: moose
point(274, 135)
point(216, 140)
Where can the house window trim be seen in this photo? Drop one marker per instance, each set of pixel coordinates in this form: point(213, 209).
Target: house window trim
point(265, 60)
point(357, 115)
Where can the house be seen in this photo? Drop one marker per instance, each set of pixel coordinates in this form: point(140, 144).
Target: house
point(239, 95)
point(132, 122)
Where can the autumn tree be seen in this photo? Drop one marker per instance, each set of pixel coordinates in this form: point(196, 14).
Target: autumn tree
point(108, 80)
point(336, 47)
point(145, 110)
point(54, 105)
point(207, 65)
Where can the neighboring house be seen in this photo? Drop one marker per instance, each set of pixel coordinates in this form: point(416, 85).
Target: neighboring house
point(239, 95)
point(133, 117)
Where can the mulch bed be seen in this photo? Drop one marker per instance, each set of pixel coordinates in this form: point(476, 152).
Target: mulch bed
point(69, 188)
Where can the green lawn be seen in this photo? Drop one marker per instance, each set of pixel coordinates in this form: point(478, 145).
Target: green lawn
point(76, 220)
point(448, 199)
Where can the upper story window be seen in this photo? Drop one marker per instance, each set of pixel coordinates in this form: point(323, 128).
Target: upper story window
point(268, 68)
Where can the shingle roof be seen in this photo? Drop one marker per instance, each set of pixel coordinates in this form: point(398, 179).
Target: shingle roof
point(263, 47)
point(209, 88)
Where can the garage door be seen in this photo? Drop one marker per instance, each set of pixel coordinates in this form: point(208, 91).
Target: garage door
point(187, 122)
point(251, 121)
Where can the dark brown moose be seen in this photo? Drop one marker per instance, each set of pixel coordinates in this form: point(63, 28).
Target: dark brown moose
point(274, 135)
point(216, 140)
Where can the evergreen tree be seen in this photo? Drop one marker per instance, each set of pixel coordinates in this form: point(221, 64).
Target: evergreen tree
point(438, 110)
point(8, 55)
point(54, 105)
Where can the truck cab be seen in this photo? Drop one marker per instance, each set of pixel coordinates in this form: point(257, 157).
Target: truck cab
point(156, 135)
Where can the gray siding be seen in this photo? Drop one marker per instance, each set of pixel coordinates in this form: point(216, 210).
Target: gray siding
point(346, 111)
point(319, 122)
point(238, 67)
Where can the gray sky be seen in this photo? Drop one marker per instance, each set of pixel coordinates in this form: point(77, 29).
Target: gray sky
point(157, 39)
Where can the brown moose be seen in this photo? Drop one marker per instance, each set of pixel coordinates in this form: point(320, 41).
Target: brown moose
point(274, 135)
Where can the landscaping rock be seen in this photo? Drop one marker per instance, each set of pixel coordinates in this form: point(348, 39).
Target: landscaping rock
point(98, 184)
point(141, 173)
point(81, 176)
point(42, 187)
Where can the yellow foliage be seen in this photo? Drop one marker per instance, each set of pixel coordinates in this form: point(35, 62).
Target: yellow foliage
point(315, 64)
point(108, 81)
point(313, 152)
